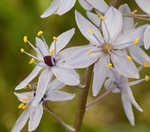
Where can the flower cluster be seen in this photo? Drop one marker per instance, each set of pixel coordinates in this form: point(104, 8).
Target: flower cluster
point(114, 49)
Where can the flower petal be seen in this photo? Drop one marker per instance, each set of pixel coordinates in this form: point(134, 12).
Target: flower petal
point(29, 78)
point(147, 38)
point(43, 81)
point(135, 82)
point(128, 22)
point(79, 57)
point(20, 123)
point(59, 7)
point(128, 109)
point(94, 18)
point(124, 66)
point(63, 40)
point(59, 96)
point(100, 74)
point(139, 55)
point(144, 5)
point(112, 24)
point(127, 38)
point(35, 117)
point(43, 48)
point(100, 5)
point(84, 26)
point(67, 76)
point(85, 5)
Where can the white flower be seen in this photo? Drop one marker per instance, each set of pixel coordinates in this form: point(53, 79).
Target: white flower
point(34, 113)
point(104, 48)
point(51, 61)
point(120, 84)
point(135, 51)
point(59, 7)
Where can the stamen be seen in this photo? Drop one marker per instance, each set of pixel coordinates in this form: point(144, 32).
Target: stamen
point(52, 51)
point(25, 106)
point(55, 38)
point(134, 12)
point(129, 58)
point(22, 50)
point(32, 61)
point(24, 100)
point(147, 78)
point(102, 17)
point(136, 41)
point(20, 106)
point(30, 86)
point(109, 65)
point(145, 64)
point(90, 52)
point(25, 39)
point(39, 33)
point(90, 31)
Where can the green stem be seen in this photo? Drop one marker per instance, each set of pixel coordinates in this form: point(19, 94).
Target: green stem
point(82, 101)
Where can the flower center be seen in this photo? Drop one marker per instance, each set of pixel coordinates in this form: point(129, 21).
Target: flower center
point(107, 48)
point(49, 60)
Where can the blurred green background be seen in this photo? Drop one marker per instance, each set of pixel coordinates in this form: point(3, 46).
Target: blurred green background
point(22, 17)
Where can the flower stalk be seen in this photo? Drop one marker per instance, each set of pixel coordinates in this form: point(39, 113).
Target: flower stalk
point(82, 101)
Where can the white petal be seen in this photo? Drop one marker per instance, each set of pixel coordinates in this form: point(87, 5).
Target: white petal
point(59, 96)
point(144, 5)
point(35, 117)
point(147, 38)
point(128, 109)
point(128, 22)
point(123, 65)
point(77, 57)
point(100, 74)
point(20, 123)
point(112, 24)
point(67, 76)
point(63, 40)
point(139, 55)
point(85, 5)
point(127, 39)
point(51, 9)
point(43, 81)
point(24, 95)
point(65, 6)
point(100, 5)
point(94, 18)
point(55, 85)
point(29, 78)
point(59, 7)
point(135, 82)
point(84, 25)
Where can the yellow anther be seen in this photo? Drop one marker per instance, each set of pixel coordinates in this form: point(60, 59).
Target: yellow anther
point(22, 50)
point(55, 38)
point(25, 39)
point(24, 100)
point(28, 95)
point(20, 106)
point(147, 78)
point(91, 31)
point(109, 65)
point(32, 61)
point(136, 41)
point(29, 86)
point(90, 52)
point(25, 106)
point(52, 51)
point(102, 17)
point(129, 58)
point(25, 87)
point(39, 33)
point(134, 11)
point(145, 64)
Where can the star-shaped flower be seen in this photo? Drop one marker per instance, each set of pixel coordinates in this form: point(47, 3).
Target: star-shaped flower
point(120, 84)
point(107, 47)
point(34, 113)
point(50, 61)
